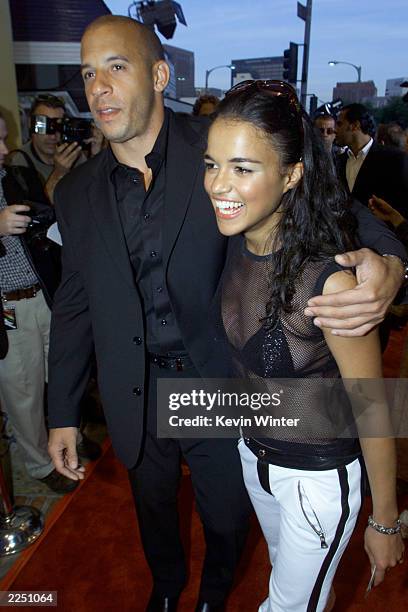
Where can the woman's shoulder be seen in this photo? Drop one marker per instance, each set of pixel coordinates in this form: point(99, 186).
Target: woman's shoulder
point(340, 280)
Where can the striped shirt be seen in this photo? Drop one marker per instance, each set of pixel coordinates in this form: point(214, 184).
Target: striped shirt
point(15, 269)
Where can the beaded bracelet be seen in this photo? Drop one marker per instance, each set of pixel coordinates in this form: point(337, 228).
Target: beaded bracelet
point(385, 530)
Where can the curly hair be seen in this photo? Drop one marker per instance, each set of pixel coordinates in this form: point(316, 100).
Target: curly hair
point(315, 221)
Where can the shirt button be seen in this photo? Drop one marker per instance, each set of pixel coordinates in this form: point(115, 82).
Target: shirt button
point(137, 391)
point(137, 340)
point(146, 217)
point(153, 253)
point(159, 289)
point(261, 453)
point(163, 322)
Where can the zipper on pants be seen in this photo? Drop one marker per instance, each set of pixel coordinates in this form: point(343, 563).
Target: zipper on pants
point(318, 529)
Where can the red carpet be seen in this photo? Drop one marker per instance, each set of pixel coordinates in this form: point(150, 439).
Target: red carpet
point(92, 557)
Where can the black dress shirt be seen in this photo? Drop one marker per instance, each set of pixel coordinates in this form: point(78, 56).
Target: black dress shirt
point(141, 214)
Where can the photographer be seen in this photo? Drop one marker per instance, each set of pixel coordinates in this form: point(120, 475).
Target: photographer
point(29, 275)
point(45, 152)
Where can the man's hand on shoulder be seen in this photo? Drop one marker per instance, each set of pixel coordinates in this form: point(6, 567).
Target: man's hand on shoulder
point(13, 220)
point(62, 450)
point(356, 311)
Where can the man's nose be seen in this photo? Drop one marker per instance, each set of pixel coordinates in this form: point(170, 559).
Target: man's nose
point(100, 86)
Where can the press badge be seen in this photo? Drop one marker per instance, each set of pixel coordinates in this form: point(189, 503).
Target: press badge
point(10, 320)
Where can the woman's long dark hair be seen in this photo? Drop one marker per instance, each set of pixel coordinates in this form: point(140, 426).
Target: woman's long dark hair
point(316, 221)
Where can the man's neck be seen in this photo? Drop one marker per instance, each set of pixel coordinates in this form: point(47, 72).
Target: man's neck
point(133, 152)
point(360, 142)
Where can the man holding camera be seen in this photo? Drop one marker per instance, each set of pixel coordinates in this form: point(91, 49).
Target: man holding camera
point(51, 158)
point(27, 286)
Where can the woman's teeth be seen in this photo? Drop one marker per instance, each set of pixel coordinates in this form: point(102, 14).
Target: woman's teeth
point(228, 207)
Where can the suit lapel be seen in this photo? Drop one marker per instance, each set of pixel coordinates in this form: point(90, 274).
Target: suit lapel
point(102, 198)
point(183, 162)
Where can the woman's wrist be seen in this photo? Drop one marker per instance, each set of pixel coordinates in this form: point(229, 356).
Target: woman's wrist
point(386, 517)
point(390, 528)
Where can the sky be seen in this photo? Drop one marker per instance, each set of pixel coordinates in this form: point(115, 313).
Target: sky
point(370, 33)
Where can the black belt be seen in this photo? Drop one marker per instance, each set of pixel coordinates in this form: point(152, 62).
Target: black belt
point(183, 362)
point(297, 462)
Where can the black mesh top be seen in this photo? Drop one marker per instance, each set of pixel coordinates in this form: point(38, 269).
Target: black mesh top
point(293, 348)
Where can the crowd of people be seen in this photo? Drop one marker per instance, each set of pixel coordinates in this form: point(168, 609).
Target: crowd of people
point(241, 245)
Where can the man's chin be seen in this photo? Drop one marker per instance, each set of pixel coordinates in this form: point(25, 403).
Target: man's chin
point(117, 137)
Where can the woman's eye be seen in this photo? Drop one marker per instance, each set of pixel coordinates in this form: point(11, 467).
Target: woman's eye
point(117, 67)
point(241, 170)
point(209, 165)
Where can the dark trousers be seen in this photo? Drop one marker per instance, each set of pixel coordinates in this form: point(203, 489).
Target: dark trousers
point(221, 498)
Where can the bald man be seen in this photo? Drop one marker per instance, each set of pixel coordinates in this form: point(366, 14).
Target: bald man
point(142, 258)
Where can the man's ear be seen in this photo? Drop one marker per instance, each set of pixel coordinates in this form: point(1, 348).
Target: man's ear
point(161, 75)
point(355, 126)
point(293, 176)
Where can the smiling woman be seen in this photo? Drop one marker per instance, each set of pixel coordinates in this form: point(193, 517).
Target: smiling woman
point(245, 191)
point(272, 185)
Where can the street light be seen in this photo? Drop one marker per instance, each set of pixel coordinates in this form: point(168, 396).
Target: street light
point(208, 72)
point(358, 68)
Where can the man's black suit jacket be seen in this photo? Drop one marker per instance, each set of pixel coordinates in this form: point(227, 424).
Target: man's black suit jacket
point(98, 305)
point(384, 173)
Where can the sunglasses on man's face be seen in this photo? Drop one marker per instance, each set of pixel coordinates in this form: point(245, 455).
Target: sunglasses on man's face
point(328, 131)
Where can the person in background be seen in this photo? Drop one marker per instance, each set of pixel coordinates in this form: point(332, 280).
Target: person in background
point(326, 125)
point(26, 299)
point(26, 304)
point(205, 105)
point(45, 153)
point(368, 168)
point(391, 135)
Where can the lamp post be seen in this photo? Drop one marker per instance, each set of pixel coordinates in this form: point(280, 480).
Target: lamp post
point(358, 68)
point(208, 72)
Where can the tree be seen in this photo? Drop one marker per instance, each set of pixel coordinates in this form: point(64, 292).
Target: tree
point(395, 111)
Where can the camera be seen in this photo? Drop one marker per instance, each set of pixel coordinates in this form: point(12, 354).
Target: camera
point(72, 129)
point(42, 216)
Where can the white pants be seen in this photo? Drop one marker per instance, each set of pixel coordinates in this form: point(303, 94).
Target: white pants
point(307, 518)
point(23, 373)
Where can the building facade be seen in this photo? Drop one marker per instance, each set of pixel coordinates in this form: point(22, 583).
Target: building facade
point(182, 72)
point(355, 91)
point(256, 68)
point(393, 87)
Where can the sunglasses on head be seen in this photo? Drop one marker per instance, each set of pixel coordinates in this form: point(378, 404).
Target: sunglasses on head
point(273, 88)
